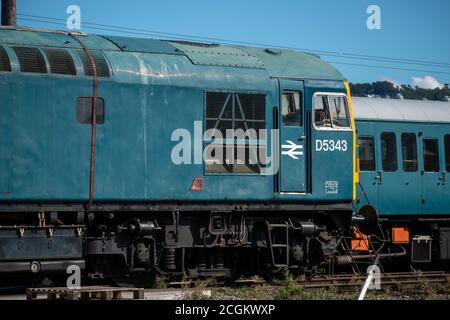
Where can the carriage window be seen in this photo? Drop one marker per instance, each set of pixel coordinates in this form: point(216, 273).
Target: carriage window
point(291, 109)
point(235, 138)
point(409, 152)
point(84, 110)
point(430, 155)
point(331, 111)
point(388, 152)
point(366, 154)
point(447, 152)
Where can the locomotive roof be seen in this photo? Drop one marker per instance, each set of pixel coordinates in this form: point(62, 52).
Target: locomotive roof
point(279, 63)
point(381, 109)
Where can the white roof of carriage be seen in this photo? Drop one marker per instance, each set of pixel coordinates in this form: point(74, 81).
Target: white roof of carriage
point(381, 109)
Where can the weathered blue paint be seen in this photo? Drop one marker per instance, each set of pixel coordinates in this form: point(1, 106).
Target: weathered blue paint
point(216, 55)
point(297, 65)
point(143, 45)
point(155, 87)
point(53, 39)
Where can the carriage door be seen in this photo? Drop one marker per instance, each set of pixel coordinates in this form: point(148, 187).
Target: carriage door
point(369, 175)
point(292, 137)
point(432, 170)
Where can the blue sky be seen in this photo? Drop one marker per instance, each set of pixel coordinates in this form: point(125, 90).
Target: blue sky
point(411, 29)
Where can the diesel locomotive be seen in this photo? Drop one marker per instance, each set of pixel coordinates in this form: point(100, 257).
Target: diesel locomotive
point(127, 156)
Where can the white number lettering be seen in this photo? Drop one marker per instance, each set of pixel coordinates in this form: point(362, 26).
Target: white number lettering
point(331, 145)
point(318, 145)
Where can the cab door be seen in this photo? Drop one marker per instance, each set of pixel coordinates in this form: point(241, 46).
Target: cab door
point(293, 138)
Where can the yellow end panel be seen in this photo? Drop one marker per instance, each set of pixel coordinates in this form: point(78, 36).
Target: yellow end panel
point(355, 169)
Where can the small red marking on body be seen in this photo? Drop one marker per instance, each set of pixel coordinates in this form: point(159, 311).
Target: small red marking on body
point(197, 184)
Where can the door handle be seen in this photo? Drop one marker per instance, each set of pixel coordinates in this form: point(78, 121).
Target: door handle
point(442, 178)
point(379, 177)
point(301, 138)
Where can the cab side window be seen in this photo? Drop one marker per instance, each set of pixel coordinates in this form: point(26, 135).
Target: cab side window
point(331, 111)
point(322, 116)
point(366, 154)
point(339, 112)
point(291, 109)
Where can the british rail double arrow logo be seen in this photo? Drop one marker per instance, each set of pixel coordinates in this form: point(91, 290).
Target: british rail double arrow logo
point(292, 149)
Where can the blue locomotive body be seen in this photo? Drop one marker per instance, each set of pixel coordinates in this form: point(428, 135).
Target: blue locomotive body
point(149, 90)
point(151, 168)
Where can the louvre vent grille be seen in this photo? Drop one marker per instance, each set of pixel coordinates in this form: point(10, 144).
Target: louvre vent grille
point(30, 60)
point(60, 61)
point(100, 63)
point(5, 64)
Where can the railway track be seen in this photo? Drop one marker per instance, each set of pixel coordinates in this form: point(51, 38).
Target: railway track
point(398, 280)
point(176, 290)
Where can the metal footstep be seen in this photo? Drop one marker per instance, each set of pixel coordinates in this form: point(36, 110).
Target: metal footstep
point(85, 293)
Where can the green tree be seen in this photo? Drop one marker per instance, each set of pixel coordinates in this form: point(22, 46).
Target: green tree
point(386, 88)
